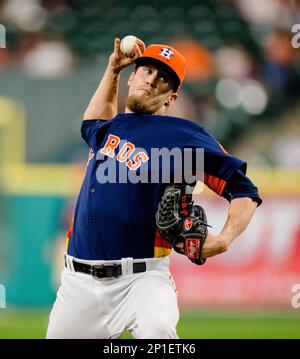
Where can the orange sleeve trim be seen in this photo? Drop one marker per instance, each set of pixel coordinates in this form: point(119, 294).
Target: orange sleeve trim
point(214, 183)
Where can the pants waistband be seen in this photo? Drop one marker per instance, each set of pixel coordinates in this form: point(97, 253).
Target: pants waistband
point(115, 268)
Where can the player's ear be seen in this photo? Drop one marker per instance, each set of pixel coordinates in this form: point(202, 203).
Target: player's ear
point(171, 99)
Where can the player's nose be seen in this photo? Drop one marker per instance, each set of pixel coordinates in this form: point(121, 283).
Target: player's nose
point(151, 78)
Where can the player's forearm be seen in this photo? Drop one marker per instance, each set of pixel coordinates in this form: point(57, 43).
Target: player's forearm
point(240, 212)
point(104, 103)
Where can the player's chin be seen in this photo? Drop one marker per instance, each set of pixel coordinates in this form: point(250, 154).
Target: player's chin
point(139, 104)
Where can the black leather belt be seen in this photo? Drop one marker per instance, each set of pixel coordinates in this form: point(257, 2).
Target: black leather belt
point(106, 270)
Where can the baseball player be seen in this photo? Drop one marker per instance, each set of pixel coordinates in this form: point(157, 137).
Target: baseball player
point(116, 274)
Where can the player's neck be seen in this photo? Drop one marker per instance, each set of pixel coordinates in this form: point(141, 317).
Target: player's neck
point(160, 112)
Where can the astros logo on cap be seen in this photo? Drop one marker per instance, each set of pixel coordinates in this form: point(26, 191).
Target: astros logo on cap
point(166, 53)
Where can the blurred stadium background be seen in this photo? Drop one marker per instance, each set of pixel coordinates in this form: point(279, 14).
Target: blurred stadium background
point(243, 84)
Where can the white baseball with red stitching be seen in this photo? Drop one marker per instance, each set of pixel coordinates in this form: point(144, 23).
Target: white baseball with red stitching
point(127, 44)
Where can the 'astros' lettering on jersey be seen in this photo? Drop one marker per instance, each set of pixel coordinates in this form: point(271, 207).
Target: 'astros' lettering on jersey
point(117, 220)
point(125, 151)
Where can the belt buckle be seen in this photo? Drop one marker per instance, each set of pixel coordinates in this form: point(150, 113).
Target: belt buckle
point(96, 268)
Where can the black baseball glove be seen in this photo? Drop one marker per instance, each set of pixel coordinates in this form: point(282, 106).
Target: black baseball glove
point(181, 223)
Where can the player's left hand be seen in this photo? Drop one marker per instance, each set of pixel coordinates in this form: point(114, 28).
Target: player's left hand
point(118, 61)
point(181, 223)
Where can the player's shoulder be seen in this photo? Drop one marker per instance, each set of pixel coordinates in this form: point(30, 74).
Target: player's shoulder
point(163, 122)
point(185, 122)
point(188, 126)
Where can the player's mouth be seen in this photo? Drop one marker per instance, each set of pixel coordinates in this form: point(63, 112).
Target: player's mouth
point(146, 92)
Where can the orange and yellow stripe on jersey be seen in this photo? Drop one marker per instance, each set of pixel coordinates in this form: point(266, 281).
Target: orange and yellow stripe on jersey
point(69, 233)
point(161, 247)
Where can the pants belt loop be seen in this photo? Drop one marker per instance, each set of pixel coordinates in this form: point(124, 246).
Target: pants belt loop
point(69, 261)
point(148, 265)
point(129, 265)
point(124, 266)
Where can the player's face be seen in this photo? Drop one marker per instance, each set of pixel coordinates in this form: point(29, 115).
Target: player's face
point(150, 91)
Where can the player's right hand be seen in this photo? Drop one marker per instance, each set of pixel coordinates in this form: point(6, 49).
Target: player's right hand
point(118, 61)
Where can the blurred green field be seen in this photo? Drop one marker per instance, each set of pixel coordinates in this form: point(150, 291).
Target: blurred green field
point(32, 324)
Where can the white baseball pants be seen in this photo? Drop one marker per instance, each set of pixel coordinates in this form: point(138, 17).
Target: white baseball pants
point(143, 303)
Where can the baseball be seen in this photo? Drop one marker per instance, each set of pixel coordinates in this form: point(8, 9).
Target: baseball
point(127, 44)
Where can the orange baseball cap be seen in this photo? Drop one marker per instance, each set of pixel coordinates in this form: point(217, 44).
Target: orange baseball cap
point(167, 55)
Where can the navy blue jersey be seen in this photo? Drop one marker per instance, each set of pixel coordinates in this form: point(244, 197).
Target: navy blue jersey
point(116, 218)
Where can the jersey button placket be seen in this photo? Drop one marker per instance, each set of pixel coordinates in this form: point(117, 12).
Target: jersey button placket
point(91, 218)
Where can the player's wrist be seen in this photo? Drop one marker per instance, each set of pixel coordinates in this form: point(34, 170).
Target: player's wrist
point(213, 245)
point(113, 70)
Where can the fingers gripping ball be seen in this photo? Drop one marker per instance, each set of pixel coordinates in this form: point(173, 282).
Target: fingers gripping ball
point(127, 45)
point(181, 223)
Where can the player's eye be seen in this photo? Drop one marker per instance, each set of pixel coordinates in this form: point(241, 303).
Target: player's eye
point(163, 78)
